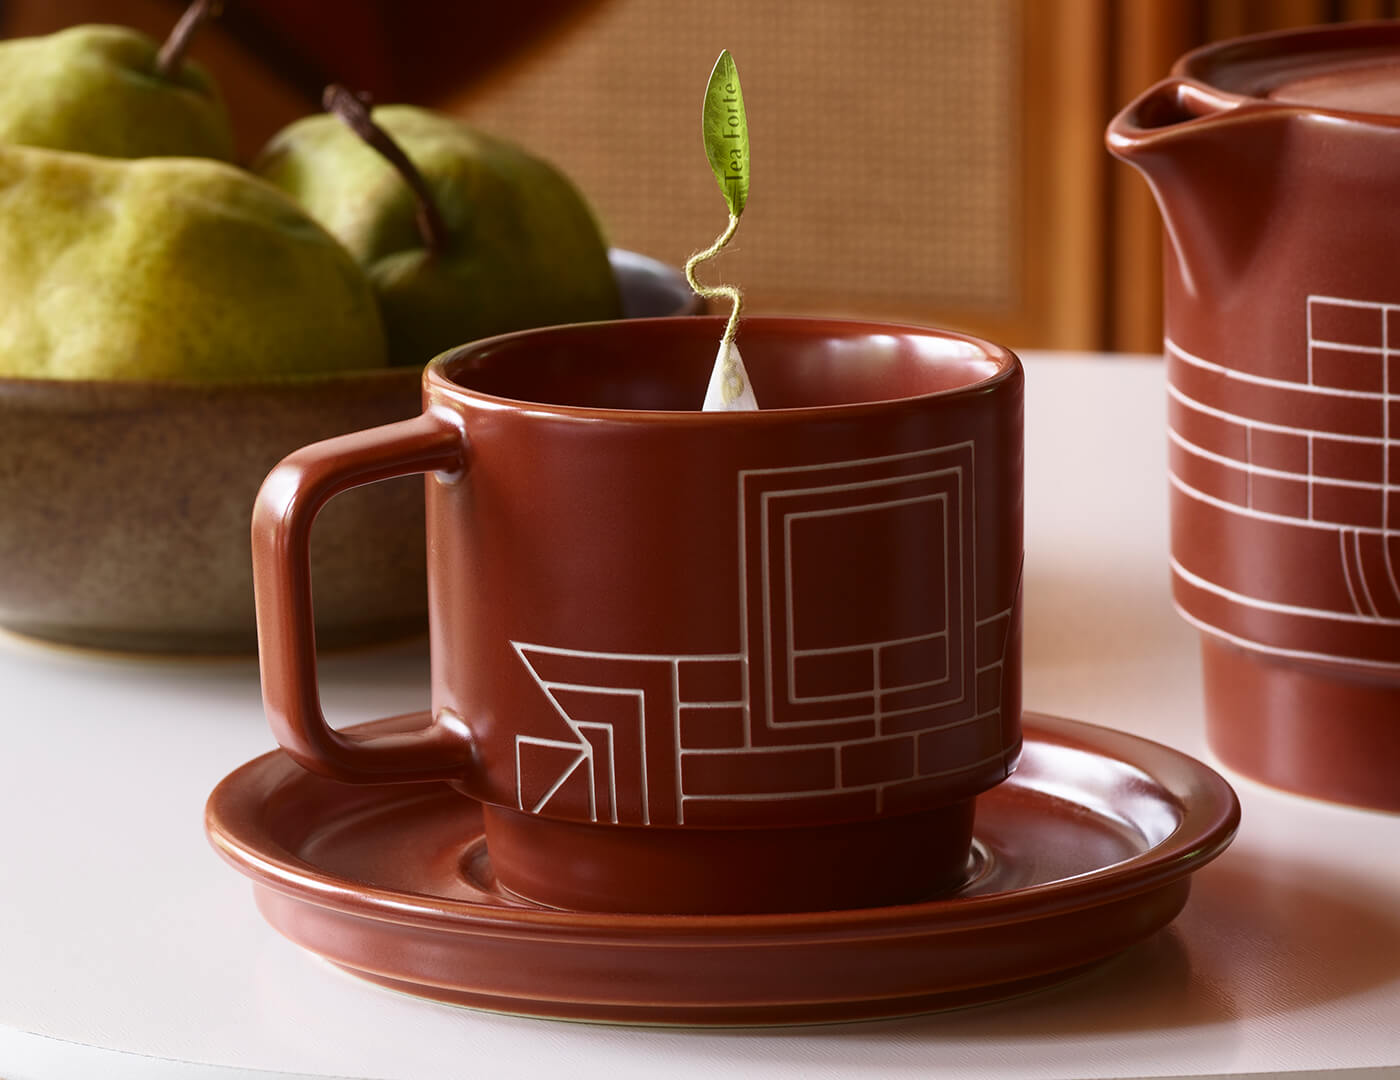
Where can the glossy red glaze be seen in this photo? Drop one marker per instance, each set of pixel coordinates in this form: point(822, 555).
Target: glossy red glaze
point(1087, 849)
point(1273, 161)
point(576, 865)
point(1262, 717)
point(648, 618)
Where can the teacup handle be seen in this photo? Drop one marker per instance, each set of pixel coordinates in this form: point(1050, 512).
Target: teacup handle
point(287, 505)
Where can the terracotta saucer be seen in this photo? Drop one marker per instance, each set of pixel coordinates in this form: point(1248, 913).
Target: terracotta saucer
point(1087, 849)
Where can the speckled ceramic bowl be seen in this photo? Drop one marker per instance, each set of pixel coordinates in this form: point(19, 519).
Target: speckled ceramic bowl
point(126, 505)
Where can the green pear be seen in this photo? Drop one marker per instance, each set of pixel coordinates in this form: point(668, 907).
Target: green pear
point(462, 235)
point(112, 91)
point(170, 268)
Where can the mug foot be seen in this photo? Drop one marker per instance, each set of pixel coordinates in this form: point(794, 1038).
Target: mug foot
point(578, 866)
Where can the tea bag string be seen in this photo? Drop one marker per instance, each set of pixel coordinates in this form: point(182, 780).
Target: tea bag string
point(716, 292)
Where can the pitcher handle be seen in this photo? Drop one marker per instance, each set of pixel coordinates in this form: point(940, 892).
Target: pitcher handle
point(286, 507)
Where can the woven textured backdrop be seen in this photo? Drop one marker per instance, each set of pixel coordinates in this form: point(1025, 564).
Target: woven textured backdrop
point(884, 143)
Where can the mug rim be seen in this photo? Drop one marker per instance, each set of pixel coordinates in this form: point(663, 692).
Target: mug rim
point(437, 381)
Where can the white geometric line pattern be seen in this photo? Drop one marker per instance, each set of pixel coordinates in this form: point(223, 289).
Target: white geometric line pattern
point(1320, 453)
point(648, 672)
point(872, 649)
point(859, 699)
point(581, 754)
point(1270, 605)
point(1272, 650)
point(929, 487)
point(601, 774)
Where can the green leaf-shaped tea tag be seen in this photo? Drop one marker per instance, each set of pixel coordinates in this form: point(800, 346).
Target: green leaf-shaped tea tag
point(727, 133)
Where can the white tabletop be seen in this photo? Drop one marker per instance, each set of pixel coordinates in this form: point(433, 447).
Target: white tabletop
point(128, 948)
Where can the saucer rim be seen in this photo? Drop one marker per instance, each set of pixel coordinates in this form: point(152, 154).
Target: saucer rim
point(1208, 809)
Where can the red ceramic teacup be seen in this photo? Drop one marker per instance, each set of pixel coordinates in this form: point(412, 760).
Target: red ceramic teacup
point(688, 661)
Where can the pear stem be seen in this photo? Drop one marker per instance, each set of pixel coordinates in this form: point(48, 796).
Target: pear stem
point(353, 109)
point(172, 53)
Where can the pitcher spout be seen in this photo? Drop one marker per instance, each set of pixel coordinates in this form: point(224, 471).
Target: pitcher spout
point(1205, 154)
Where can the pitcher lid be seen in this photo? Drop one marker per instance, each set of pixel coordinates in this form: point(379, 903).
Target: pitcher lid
point(1351, 68)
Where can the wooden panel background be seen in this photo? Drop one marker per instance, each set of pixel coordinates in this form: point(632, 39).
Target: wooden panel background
point(932, 160)
point(904, 166)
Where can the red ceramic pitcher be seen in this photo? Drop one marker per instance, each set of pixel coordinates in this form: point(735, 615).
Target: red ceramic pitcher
point(1275, 160)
